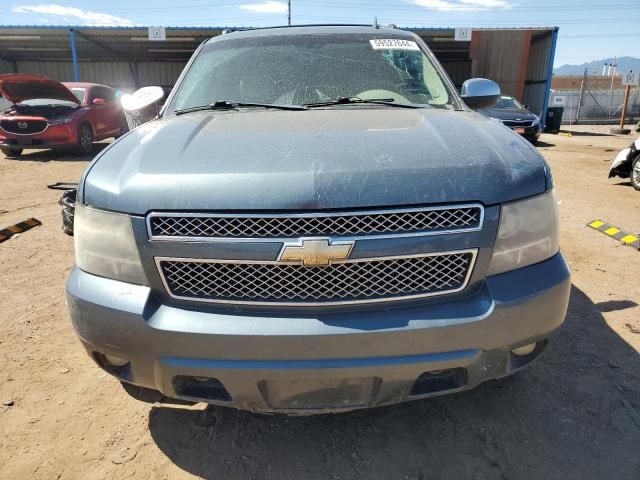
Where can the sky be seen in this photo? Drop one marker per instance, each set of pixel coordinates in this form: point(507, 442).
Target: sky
point(589, 29)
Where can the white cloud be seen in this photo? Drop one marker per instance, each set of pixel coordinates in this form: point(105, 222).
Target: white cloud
point(462, 5)
point(86, 17)
point(265, 7)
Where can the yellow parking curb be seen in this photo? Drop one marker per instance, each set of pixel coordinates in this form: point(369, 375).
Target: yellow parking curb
point(7, 233)
point(615, 232)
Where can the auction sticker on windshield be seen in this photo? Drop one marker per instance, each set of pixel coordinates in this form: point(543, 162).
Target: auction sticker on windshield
point(393, 44)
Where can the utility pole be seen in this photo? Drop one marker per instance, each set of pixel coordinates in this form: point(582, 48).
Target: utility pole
point(628, 79)
point(289, 15)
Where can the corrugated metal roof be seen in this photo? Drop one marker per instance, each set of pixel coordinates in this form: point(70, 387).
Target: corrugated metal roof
point(131, 44)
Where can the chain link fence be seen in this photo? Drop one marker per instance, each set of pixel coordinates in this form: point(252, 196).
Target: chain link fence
point(595, 106)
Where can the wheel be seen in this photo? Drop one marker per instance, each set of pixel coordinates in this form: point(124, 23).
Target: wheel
point(635, 172)
point(85, 140)
point(11, 151)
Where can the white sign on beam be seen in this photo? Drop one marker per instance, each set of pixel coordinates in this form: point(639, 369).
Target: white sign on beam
point(157, 34)
point(630, 78)
point(559, 101)
point(462, 35)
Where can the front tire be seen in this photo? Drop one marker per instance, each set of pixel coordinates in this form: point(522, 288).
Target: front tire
point(635, 172)
point(85, 140)
point(11, 152)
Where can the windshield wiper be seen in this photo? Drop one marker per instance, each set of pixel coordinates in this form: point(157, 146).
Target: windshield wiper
point(227, 105)
point(352, 100)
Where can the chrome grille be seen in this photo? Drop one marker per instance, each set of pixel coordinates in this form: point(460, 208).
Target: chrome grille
point(436, 220)
point(348, 281)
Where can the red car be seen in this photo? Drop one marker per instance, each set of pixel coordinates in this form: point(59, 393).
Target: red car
point(49, 114)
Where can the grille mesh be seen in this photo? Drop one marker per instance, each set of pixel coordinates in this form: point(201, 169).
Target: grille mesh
point(518, 123)
point(349, 281)
point(32, 126)
point(297, 226)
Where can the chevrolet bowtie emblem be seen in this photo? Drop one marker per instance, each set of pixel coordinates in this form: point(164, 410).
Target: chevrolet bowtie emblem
point(315, 253)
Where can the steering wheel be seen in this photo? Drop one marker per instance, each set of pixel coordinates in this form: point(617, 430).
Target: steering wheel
point(316, 93)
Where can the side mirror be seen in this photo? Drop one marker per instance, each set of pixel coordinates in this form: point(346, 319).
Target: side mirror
point(480, 92)
point(98, 102)
point(142, 105)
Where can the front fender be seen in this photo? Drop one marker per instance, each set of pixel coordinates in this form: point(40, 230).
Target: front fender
point(621, 165)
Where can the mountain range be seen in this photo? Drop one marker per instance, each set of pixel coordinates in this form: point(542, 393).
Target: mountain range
point(595, 67)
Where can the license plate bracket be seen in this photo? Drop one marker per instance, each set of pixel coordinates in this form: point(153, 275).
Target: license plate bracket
point(24, 140)
point(319, 393)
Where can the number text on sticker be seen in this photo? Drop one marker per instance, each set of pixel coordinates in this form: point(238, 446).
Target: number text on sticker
point(393, 44)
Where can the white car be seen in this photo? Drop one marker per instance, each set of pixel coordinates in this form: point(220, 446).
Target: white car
point(627, 164)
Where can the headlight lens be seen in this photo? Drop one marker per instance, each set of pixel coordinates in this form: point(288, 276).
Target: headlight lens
point(105, 245)
point(528, 233)
point(60, 121)
point(536, 122)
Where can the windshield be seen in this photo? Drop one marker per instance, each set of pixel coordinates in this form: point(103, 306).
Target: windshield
point(309, 68)
point(508, 103)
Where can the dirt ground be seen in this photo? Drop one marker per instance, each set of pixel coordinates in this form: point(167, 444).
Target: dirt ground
point(574, 414)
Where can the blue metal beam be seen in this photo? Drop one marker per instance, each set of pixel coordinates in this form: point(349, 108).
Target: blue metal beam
point(74, 55)
point(547, 90)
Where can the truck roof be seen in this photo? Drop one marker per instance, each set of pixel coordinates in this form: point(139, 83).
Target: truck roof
point(313, 29)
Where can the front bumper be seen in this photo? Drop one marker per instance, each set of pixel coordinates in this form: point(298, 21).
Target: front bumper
point(530, 133)
point(53, 136)
point(300, 362)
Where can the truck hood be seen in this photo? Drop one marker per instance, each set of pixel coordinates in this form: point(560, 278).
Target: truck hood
point(312, 160)
point(20, 87)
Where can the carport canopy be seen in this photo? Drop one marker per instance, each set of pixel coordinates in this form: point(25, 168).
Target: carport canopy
point(519, 59)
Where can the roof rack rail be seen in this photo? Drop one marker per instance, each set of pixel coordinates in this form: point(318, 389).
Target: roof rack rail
point(374, 25)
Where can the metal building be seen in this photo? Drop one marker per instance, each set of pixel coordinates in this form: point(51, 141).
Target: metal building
point(519, 59)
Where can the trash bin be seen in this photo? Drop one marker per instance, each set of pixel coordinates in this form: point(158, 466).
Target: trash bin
point(68, 204)
point(554, 119)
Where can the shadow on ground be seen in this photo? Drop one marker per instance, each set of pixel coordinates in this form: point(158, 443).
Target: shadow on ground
point(574, 414)
point(622, 184)
point(588, 134)
point(57, 155)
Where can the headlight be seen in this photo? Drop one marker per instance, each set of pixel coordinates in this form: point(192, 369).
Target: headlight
point(528, 233)
point(60, 121)
point(105, 245)
point(536, 122)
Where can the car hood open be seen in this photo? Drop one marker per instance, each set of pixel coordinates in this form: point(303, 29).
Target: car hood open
point(313, 160)
point(18, 87)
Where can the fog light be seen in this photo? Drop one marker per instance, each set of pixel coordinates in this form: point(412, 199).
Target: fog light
point(524, 350)
point(116, 361)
